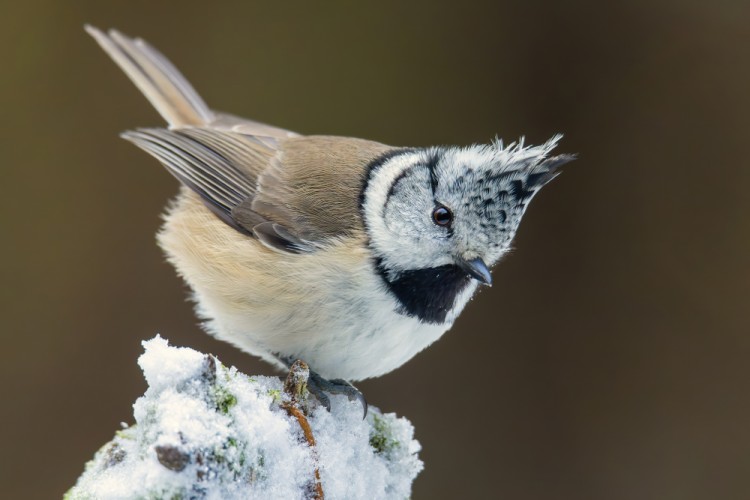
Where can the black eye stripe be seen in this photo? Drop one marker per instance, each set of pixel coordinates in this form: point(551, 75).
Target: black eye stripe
point(431, 165)
point(395, 182)
point(374, 166)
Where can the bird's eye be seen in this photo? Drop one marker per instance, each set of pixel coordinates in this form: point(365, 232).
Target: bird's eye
point(442, 216)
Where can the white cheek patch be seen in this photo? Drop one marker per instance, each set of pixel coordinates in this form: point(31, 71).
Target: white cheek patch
point(407, 207)
point(394, 228)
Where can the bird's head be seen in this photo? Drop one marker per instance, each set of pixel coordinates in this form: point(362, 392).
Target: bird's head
point(452, 208)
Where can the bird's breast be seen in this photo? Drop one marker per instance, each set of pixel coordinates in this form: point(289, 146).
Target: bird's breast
point(329, 307)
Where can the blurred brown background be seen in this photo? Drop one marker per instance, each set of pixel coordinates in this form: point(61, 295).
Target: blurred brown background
point(609, 361)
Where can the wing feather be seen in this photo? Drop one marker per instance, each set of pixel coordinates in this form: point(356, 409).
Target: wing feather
point(293, 193)
point(169, 91)
point(222, 168)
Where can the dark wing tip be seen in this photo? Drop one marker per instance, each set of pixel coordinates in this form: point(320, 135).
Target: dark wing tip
point(278, 237)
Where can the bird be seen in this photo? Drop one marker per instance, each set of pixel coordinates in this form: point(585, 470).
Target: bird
point(346, 253)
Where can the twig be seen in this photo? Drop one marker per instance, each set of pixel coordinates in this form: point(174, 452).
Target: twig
point(296, 387)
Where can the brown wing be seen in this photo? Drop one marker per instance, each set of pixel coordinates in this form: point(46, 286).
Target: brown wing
point(312, 186)
point(292, 194)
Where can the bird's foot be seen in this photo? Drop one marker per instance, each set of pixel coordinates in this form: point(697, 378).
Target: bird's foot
point(321, 387)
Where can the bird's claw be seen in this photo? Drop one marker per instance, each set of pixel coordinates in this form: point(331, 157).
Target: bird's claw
point(320, 388)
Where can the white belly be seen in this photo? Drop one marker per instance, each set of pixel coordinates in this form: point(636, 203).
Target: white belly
point(352, 337)
point(332, 311)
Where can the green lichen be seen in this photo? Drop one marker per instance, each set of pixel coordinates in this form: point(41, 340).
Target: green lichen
point(126, 433)
point(275, 395)
point(72, 494)
point(225, 400)
point(381, 437)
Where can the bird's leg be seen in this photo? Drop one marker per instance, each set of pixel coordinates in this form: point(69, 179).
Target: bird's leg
point(321, 388)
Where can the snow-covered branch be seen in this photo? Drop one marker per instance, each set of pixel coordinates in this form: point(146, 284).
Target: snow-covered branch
point(203, 430)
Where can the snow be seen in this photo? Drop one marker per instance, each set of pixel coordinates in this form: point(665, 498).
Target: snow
point(203, 430)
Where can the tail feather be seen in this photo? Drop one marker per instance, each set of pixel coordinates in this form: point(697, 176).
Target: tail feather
point(162, 84)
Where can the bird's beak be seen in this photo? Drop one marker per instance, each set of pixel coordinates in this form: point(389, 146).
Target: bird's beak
point(477, 269)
